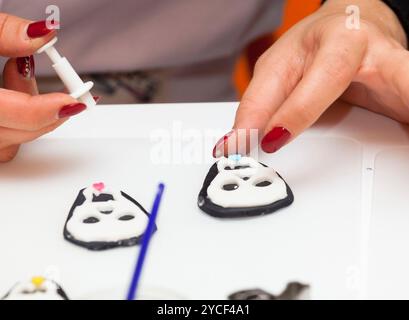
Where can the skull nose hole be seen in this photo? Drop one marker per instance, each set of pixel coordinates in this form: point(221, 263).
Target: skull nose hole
point(91, 220)
point(103, 197)
point(25, 291)
point(106, 209)
point(230, 186)
point(236, 167)
point(245, 178)
point(126, 217)
point(263, 183)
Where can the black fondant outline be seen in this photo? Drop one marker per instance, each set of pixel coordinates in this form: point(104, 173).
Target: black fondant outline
point(214, 210)
point(102, 245)
point(60, 291)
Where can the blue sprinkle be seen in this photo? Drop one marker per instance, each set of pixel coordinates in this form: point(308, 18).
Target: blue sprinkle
point(235, 157)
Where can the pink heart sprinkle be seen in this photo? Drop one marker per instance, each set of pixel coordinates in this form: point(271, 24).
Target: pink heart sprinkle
point(99, 186)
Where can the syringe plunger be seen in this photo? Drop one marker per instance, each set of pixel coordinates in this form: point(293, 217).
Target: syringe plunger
point(76, 87)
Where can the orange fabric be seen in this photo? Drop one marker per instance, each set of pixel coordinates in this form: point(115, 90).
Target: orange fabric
point(294, 11)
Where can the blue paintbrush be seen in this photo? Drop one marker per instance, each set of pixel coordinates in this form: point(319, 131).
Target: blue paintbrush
point(145, 244)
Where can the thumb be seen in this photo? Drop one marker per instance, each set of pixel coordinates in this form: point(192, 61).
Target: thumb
point(20, 37)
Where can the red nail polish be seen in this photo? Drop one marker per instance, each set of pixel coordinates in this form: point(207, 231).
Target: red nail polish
point(275, 139)
point(71, 110)
point(96, 98)
point(218, 149)
point(26, 66)
point(38, 29)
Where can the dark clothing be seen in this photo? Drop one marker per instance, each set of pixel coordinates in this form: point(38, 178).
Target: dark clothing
point(401, 9)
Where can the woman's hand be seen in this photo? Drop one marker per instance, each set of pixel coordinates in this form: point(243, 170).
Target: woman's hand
point(25, 115)
point(318, 61)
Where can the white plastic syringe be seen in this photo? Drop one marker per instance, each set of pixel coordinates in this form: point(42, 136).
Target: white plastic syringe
point(76, 87)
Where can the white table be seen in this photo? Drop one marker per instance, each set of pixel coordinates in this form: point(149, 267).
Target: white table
point(345, 234)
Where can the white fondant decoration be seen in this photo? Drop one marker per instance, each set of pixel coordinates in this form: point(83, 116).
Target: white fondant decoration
point(245, 179)
point(109, 227)
point(28, 290)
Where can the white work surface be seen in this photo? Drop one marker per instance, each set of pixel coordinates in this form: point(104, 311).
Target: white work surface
point(346, 234)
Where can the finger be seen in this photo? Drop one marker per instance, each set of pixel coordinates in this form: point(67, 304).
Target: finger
point(25, 112)
point(330, 74)
point(275, 75)
point(18, 75)
point(12, 138)
point(20, 37)
point(395, 72)
point(393, 69)
point(9, 153)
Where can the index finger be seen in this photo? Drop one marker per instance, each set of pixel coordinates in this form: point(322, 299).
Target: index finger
point(329, 75)
point(20, 37)
point(276, 74)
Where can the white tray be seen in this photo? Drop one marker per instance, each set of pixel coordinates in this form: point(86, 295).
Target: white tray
point(345, 235)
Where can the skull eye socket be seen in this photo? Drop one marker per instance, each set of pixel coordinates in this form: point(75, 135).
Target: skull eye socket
point(126, 217)
point(91, 220)
point(263, 183)
point(230, 186)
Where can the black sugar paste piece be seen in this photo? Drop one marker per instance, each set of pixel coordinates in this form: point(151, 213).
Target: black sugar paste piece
point(60, 291)
point(206, 205)
point(102, 245)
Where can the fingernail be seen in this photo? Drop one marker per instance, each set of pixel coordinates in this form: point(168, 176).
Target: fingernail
point(26, 66)
point(96, 98)
point(71, 110)
point(218, 150)
point(275, 139)
point(38, 29)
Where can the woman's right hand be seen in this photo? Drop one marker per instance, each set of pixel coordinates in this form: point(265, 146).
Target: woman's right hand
point(24, 114)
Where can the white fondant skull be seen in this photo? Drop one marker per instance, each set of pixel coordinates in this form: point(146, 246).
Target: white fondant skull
point(38, 288)
point(112, 220)
point(244, 182)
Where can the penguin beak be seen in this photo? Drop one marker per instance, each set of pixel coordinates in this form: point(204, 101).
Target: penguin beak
point(37, 282)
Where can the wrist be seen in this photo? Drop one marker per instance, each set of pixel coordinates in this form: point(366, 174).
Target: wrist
point(373, 11)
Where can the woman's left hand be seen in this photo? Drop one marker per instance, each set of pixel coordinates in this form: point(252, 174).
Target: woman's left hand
point(318, 61)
